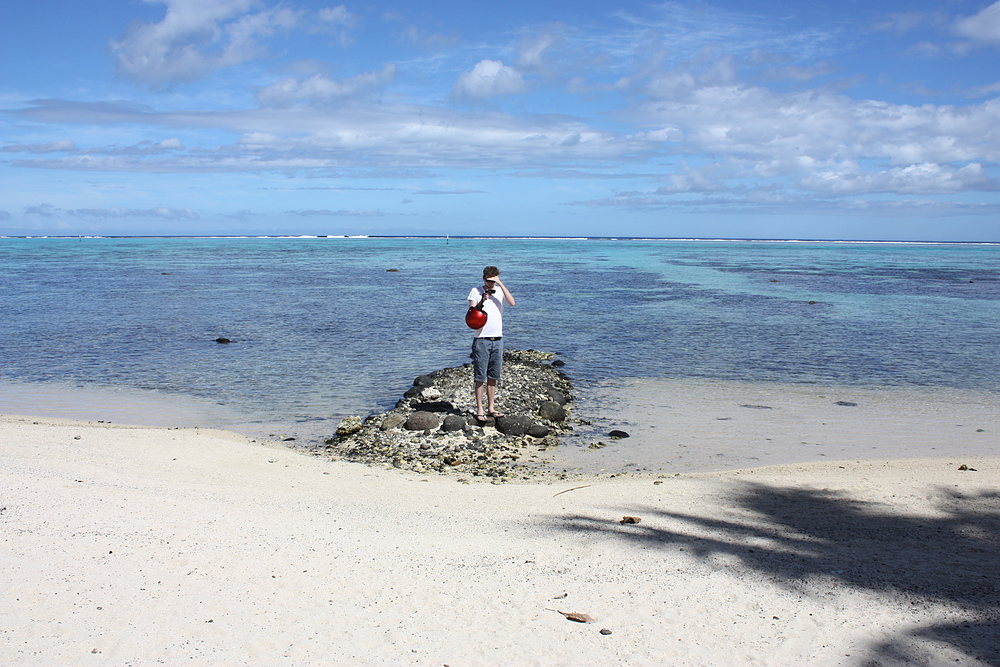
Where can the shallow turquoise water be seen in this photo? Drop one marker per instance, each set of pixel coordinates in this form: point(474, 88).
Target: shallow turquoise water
point(324, 330)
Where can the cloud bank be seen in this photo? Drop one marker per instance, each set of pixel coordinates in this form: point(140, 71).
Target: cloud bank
point(658, 105)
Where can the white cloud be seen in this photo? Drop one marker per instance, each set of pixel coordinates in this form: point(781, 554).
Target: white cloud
point(196, 37)
point(44, 210)
point(913, 179)
point(145, 147)
point(449, 192)
point(424, 38)
point(163, 212)
point(242, 215)
point(383, 136)
point(981, 27)
point(489, 78)
point(817, 132)
point(336, 20)
point(356, 213)
point(709, 178)
point(319, 88)
point(814, 140)
point(55, 146)
point(531, 51)
point(904, 22)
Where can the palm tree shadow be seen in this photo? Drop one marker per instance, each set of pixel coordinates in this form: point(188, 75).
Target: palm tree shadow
point(795, 534)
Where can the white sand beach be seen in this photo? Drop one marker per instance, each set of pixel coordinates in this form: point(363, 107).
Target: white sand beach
point(139, 546)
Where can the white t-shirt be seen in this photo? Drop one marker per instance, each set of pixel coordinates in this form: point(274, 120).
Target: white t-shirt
point(493, 309)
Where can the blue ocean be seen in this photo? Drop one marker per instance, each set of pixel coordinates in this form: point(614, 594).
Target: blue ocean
point(327, 327)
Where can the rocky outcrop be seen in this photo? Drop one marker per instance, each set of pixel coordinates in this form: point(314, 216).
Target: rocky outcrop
point(434, 426)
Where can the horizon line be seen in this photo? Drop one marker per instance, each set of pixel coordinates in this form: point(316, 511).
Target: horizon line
point(497, 237)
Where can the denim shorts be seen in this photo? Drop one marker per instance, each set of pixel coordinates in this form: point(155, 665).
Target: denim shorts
point(487, 359)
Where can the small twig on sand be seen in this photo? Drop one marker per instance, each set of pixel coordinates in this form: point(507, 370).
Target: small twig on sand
point(574, 615)
point(573, 489)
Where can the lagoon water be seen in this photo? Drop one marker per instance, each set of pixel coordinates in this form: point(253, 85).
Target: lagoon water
point(327, 327)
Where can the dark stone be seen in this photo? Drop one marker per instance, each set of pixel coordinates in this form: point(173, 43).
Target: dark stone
point(392, 421)
point(434, 406)
point(392, 270)
point(423, 381)
point(556, 395)
point(515, 425)
point(848, 404)
point(453, 423)
point(558, 363)
point(756, 407)
point(422, 421)
point(223, 341)
point(617, 435)
point(412, 392)
point(474, 421)
point(538, 431)
point(552, 411)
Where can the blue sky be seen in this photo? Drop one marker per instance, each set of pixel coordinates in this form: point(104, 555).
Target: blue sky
point(837, 120)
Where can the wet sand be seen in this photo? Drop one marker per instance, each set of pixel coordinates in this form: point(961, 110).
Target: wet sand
point(703, 425)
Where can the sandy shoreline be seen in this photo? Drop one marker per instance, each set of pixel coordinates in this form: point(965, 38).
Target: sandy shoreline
point(132, 546)
point(700, 425)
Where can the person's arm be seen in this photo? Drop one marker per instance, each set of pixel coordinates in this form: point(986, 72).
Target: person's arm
point(507, 296)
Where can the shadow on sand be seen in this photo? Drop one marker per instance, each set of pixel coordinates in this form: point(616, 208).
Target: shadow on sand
point(952, 557)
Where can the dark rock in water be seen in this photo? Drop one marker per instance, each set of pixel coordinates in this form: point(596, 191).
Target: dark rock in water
point(391, 421)
point(552, 411)
point(392, 270)
point(848, 404)
point(423, 381)
point(422, 421)
point(453, 423)
point(558, 363)
point(538, 431)
point(514, 424)
point(434, 406)
point(617, 435)
point(412, 392)
point(223, 341)
point(556, 395)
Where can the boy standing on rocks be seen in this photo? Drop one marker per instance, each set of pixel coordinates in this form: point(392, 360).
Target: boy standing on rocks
point(487, 346)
